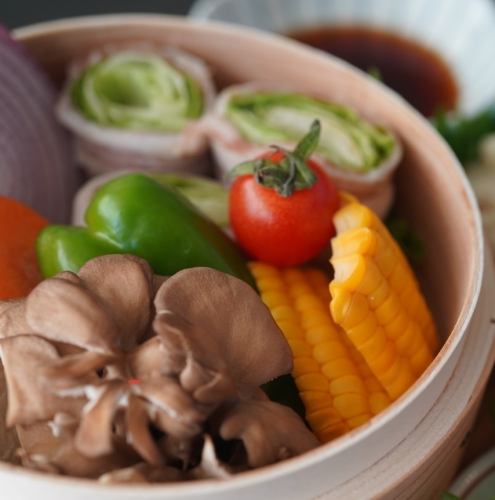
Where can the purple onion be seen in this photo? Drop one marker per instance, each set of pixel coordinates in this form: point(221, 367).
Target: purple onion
point(36, 164)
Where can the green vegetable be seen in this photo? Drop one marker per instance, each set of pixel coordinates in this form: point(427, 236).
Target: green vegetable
point(346, 140)
point(410, 243)
point(283, 390)
point(464, 134)
point(139, 91)
point(446, 495)
point(374, 72)
point(208, 196)
point(135, 214)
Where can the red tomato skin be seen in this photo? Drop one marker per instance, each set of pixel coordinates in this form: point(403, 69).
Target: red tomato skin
point(283, 231)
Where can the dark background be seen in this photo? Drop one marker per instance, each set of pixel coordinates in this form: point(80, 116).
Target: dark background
point(16, 13)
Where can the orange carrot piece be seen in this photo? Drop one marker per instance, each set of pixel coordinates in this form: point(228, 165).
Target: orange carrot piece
point(19, 228)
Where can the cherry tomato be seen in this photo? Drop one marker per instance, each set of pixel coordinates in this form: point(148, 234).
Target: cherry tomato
point(283, 230)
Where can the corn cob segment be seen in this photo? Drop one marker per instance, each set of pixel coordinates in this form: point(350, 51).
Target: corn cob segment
point(337, 388)
point(377, 301)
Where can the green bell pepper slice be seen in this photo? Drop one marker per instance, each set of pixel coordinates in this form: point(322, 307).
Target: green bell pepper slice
point(137, 215)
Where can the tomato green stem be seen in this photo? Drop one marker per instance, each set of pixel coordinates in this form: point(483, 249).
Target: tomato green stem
point(291, 172)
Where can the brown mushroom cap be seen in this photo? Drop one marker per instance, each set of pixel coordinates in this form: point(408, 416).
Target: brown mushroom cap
point(269, 431)
point(222, 325)
point(30, 400)
point(107, 305)
point(45, 448)
point(125, 287)
point(13, 319)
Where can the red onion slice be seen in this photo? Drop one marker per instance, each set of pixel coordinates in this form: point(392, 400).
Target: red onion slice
point(36, 166)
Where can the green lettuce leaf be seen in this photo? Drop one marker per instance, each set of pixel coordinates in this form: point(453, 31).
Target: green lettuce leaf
point(137, 91)
point(346, 140)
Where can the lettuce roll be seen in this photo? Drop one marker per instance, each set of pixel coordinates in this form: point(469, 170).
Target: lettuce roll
point(137, 107)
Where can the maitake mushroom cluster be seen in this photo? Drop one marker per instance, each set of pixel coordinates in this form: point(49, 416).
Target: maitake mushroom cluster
point(117, 374)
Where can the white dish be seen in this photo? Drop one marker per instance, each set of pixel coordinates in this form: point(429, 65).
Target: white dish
point(462, 31)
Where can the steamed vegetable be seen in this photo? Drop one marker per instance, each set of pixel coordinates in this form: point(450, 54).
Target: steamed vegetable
point(408, 240)
point(337, 388)
point(135, 214)
point(136, 107)
point(377, 300)
point(281, 205)
point(207, 195)
point(359, 156)
point(19, 228)
point(36, 167)
point(464, 134)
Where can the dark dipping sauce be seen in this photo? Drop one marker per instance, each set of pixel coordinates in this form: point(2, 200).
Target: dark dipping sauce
point(420, 75)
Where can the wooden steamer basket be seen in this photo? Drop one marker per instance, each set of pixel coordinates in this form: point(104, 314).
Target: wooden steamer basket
point(411, 450)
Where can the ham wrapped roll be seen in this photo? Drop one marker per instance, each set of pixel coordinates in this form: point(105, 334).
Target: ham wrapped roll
point(359, 156)
point(137, 107)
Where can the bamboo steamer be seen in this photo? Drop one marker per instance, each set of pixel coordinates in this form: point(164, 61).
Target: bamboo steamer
point(410, 450)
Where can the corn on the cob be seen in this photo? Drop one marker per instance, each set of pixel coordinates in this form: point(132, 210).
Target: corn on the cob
point(377, 301)
point(338, 390)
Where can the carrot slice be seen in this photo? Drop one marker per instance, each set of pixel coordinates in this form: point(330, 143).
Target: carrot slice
point(19, 228)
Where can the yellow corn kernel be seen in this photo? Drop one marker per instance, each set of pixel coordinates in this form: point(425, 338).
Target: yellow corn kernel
point(332, 377)
point(312, 381)
point(384, 256)
point(330, 432)
point(378, 402)
point(283, 312)
point(362, 332)
point(348, 309)
point(316, 319)
point(377, 301)
point(372, 384)
point(360, 240)
point(398, 378)
point(300, 347)
point(322, 333)
point(325, 416)
point(316, 400)
point(421, 359)
point(359, 420)
point(269, 284)
point(291, 329)
point(260, 271)
point(389, 310)
point(374, 345)
point(274, 298)
point(381, 363)
point(307, 301)
point(338, 368)
point(303, 365)
point(346, 385)
point(351, 405)
point(351, 216)
point(329, 350)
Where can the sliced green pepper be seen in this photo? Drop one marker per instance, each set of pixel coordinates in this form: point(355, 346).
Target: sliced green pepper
point(135, 214)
